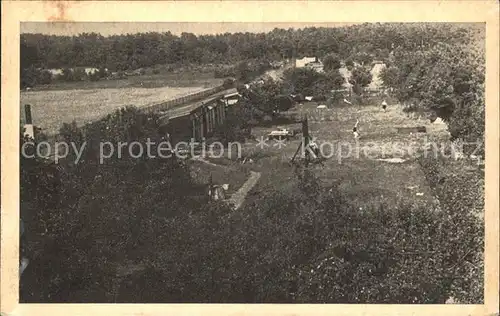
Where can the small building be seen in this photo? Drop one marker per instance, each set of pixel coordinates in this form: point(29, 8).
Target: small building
point(232, 98)
point(300, 63)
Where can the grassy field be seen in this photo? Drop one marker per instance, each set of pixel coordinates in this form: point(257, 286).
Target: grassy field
point(85, 101)
point(171, 79)
point(53, 108)
point(361, 178)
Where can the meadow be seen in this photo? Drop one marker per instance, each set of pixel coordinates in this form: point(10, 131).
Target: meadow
point(360, 176)
point(427, 192)
point(53, 108)
point(149, 80)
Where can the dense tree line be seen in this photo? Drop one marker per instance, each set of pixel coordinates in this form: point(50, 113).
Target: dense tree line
point(360, 43)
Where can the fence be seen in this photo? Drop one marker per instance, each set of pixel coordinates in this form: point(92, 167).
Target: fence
point(182, 100)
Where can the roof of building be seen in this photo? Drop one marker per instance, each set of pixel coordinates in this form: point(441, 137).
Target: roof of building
point(232, 95)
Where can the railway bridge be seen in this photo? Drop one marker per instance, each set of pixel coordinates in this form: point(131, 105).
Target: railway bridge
point(200, 119)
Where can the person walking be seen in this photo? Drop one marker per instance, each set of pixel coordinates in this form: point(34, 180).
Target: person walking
point(384, 105)
point(355, 131)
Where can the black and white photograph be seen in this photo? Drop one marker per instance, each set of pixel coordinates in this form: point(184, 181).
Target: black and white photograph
point(252, 163)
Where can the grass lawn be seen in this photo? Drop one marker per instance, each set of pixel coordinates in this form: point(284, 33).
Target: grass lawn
point(360, 178)
point(53, 108)
point(86, 101)
point(171, 79)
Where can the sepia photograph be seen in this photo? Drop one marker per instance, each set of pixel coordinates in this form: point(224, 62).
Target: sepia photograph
point(251, 162)
point(259, 164)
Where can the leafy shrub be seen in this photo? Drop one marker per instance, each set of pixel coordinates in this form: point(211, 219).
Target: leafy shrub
point(78, 225)
point(447, 79)
point(462, 200)
point(359, 79)
point(228, 83)
point(331, 62)
point(312, 83)
point(44, 77)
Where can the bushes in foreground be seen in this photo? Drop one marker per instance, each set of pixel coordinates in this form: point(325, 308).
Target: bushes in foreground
point(461, 194)
point(313, 247)
point(88, 221)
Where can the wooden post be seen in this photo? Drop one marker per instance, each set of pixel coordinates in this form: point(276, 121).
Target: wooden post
point(210, 188)
point(193, 126)
point(203, 122)
point(29, 129)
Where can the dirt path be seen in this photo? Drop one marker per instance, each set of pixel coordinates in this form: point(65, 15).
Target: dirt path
point(204, 161)
point(239, 196)
point(276, 74)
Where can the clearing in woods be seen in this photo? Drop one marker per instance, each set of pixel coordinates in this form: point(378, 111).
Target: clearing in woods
point(360, 178)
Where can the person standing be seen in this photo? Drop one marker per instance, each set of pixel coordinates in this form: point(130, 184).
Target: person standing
point(355, 131)
point(314, 147)
point(384, 105)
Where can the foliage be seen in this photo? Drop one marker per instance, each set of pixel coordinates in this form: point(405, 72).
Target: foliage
point(307, 246)
point(363, 58)
point(447, 80)
point(360, 78)
point(143, 50)
point(31, 77)
point(462, 200)
point(86, 221)
point(228, 83)
point(349, 63)
point(83, 218)
point(331, 62)
point(310, 82)
point(131, 51)
point(389, 76)
point(265, 96)
point(235, 127)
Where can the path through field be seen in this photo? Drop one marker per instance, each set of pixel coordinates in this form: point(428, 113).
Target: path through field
point(238, 198)
point(376, 82)
point(277, 74)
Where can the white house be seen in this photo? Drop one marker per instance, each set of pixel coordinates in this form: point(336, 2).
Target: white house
point(300, 63)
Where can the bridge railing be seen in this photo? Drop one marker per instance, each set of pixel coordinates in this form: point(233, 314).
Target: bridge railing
point(167, 105)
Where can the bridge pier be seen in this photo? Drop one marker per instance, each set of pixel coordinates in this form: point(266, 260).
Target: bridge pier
point(204, 120)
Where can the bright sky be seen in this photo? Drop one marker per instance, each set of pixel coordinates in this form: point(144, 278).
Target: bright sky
point(111, 28)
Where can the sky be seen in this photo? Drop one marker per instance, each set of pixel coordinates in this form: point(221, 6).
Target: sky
point(198, 28)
